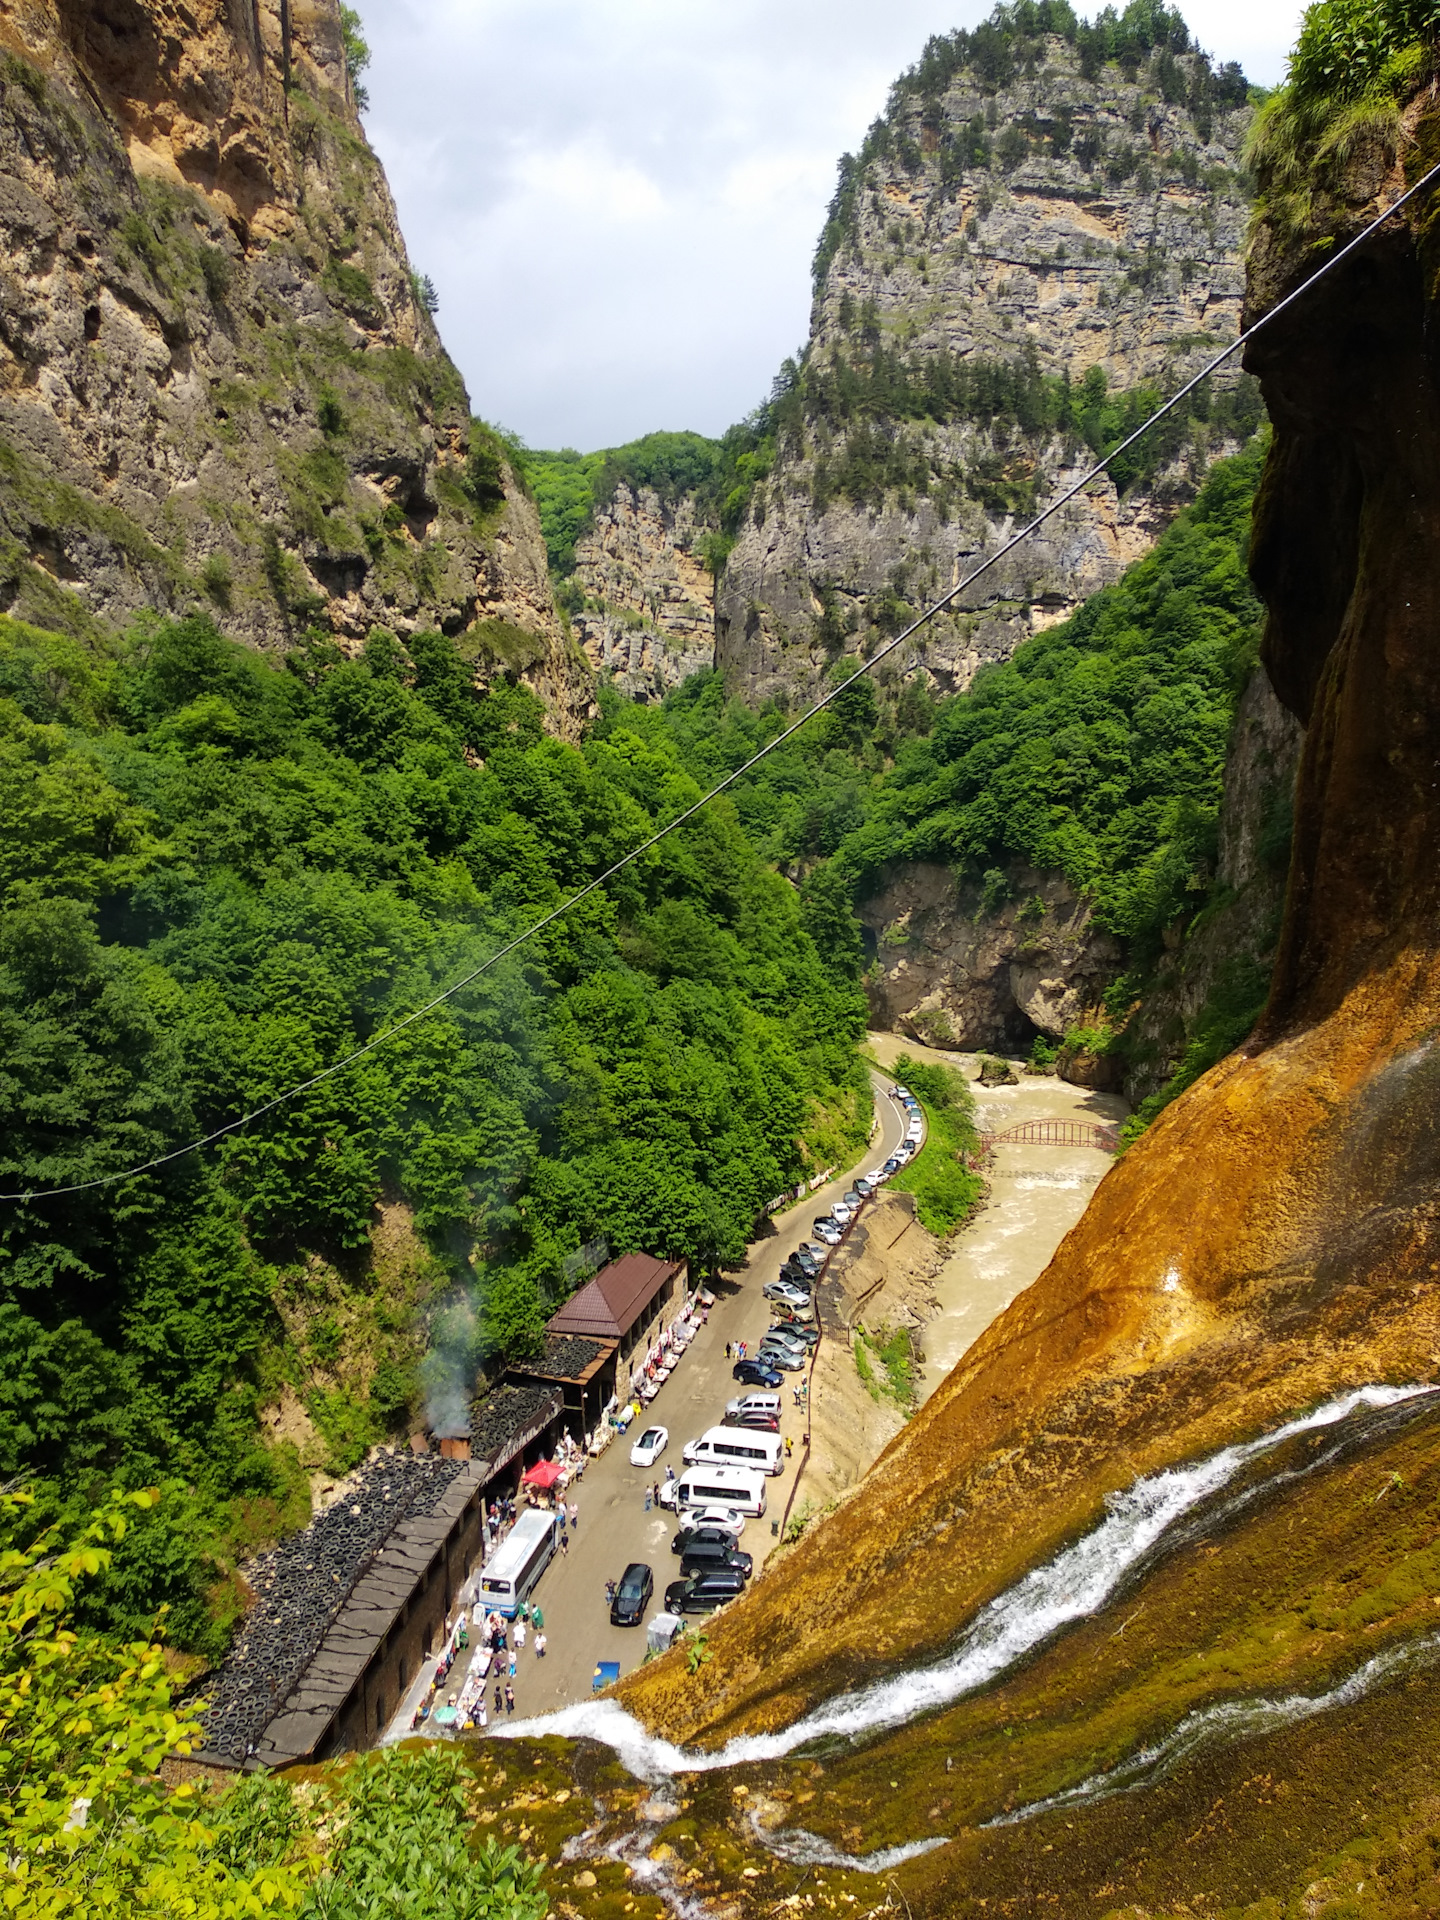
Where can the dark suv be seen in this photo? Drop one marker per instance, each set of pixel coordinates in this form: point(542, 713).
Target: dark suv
point(704, 1555)
point(705, 1591)
point(632, 1596)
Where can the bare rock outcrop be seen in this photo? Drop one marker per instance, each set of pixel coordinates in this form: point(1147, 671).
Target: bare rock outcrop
point(648, 614)
point(218, 388)
point(1005, 230)
point(952, 968)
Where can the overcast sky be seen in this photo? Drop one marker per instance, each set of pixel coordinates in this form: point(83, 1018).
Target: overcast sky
point(618, 199)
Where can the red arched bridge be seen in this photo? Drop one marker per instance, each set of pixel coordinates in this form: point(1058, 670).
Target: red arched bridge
point(1056, 1133)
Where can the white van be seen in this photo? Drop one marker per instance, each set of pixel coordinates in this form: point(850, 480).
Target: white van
point(738, 1447)
point(712, 1486)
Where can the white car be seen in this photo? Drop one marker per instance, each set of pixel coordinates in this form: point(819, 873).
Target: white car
point(649, 1447)
point(729, 1518)
point(878, 1177)
point(841, 1214)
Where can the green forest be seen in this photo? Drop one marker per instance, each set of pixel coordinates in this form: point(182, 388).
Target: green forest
point(220, 875)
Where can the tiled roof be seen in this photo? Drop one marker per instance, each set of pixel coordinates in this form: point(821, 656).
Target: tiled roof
point(610, 1304)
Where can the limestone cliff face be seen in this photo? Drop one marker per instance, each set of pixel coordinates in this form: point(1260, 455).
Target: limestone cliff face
point(1272, 1240)
point(648, 616)
point(1046, 222)
point(217, 388)
point(953, 969)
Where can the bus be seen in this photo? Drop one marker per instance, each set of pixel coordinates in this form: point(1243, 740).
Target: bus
point(518, 1562)
point(710, 1486)
point(736, 1447)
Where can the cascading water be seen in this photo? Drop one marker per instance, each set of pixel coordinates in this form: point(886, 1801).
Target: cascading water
point(1077, 1582)
point(1229, 1720)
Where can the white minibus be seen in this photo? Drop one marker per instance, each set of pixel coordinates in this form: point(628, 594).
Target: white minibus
point(518, 1562)
point(712, 1486)
point(737, 1447)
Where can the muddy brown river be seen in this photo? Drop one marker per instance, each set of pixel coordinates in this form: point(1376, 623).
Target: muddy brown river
point(1037, 1194)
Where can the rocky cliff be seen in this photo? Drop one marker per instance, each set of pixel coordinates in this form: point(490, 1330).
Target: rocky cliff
point(1030, 233)
point(218, 389)
point(1256, 1684)
point(647, 612)
point(956, 969)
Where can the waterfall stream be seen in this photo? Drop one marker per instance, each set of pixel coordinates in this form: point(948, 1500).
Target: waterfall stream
point(1076, 1582)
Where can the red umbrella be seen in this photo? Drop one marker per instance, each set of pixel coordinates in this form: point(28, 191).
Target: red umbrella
point(543, 1474)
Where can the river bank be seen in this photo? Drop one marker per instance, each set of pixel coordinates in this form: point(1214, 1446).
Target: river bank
point(1037, 1193)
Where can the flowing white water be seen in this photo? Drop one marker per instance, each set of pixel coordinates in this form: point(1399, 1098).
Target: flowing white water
point(1077, 1582)
point(1231, 1720)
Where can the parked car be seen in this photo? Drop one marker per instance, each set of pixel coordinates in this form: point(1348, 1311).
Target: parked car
point(819, 1249)
point(776, 1346)
point(803, 1257)
point(791, 1330)
point(842, 1215)
point(715, 1560)
point(765, 1405)
point(781, 1359)
point(794, 1316)
point(853, 1198)
point(824, 1228)
point(649, 1447)
point(756, 1421)
point(750, 1373)
point(632, 1596)
point(693, 1536)
point(801, 1276)
point(705, 1591)
point(730, 1518)
point(903, 1093)
point(865, 1186)
point(892, 1165)
point(786, 1290)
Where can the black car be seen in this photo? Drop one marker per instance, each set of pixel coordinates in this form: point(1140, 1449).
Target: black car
point(704, 1591)
point(632, 1596)
point(708, 1554)
point(753, 1373)
point(689, 1537)
point(802, 1257)
point(892, 1165)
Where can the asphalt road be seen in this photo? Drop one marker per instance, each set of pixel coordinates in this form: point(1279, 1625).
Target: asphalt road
point(614, 1527)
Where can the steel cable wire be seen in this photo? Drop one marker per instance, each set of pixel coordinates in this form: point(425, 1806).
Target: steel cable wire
point(883, 653)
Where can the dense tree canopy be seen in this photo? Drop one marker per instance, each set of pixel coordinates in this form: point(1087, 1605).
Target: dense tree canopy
point(225, 876)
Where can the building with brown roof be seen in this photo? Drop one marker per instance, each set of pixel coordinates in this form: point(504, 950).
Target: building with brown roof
point(602, 1337)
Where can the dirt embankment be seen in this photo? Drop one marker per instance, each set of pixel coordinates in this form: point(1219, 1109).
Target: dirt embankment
point(883, 1276)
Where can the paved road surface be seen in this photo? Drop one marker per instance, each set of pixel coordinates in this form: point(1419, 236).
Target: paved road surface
point(614, 1527)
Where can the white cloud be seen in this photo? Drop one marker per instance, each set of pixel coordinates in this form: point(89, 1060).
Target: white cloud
point(618, 199)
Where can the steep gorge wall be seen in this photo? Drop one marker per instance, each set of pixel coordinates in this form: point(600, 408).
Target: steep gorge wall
point(218, 390)
point(648, 612)
point(1048, 220)
point(1274, 1239)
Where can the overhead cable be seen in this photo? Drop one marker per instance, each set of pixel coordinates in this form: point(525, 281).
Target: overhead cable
point(389, 1033)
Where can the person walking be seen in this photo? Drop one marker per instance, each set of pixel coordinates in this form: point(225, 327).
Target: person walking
point(655, 1490)
point(509, 1698)
point(482, 1712)
point(669, 1472)
point(574, 1516)
point(565, 1545)
point(727, 1349)
point(512, 1663)
point(520, 1633)
point(539, 1646)
point(499, 1700)
point(647, 1499)
point(537, 1618)
point(789, 1446)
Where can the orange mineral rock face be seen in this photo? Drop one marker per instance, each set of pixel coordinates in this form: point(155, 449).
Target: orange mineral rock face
point(1272, 1239)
